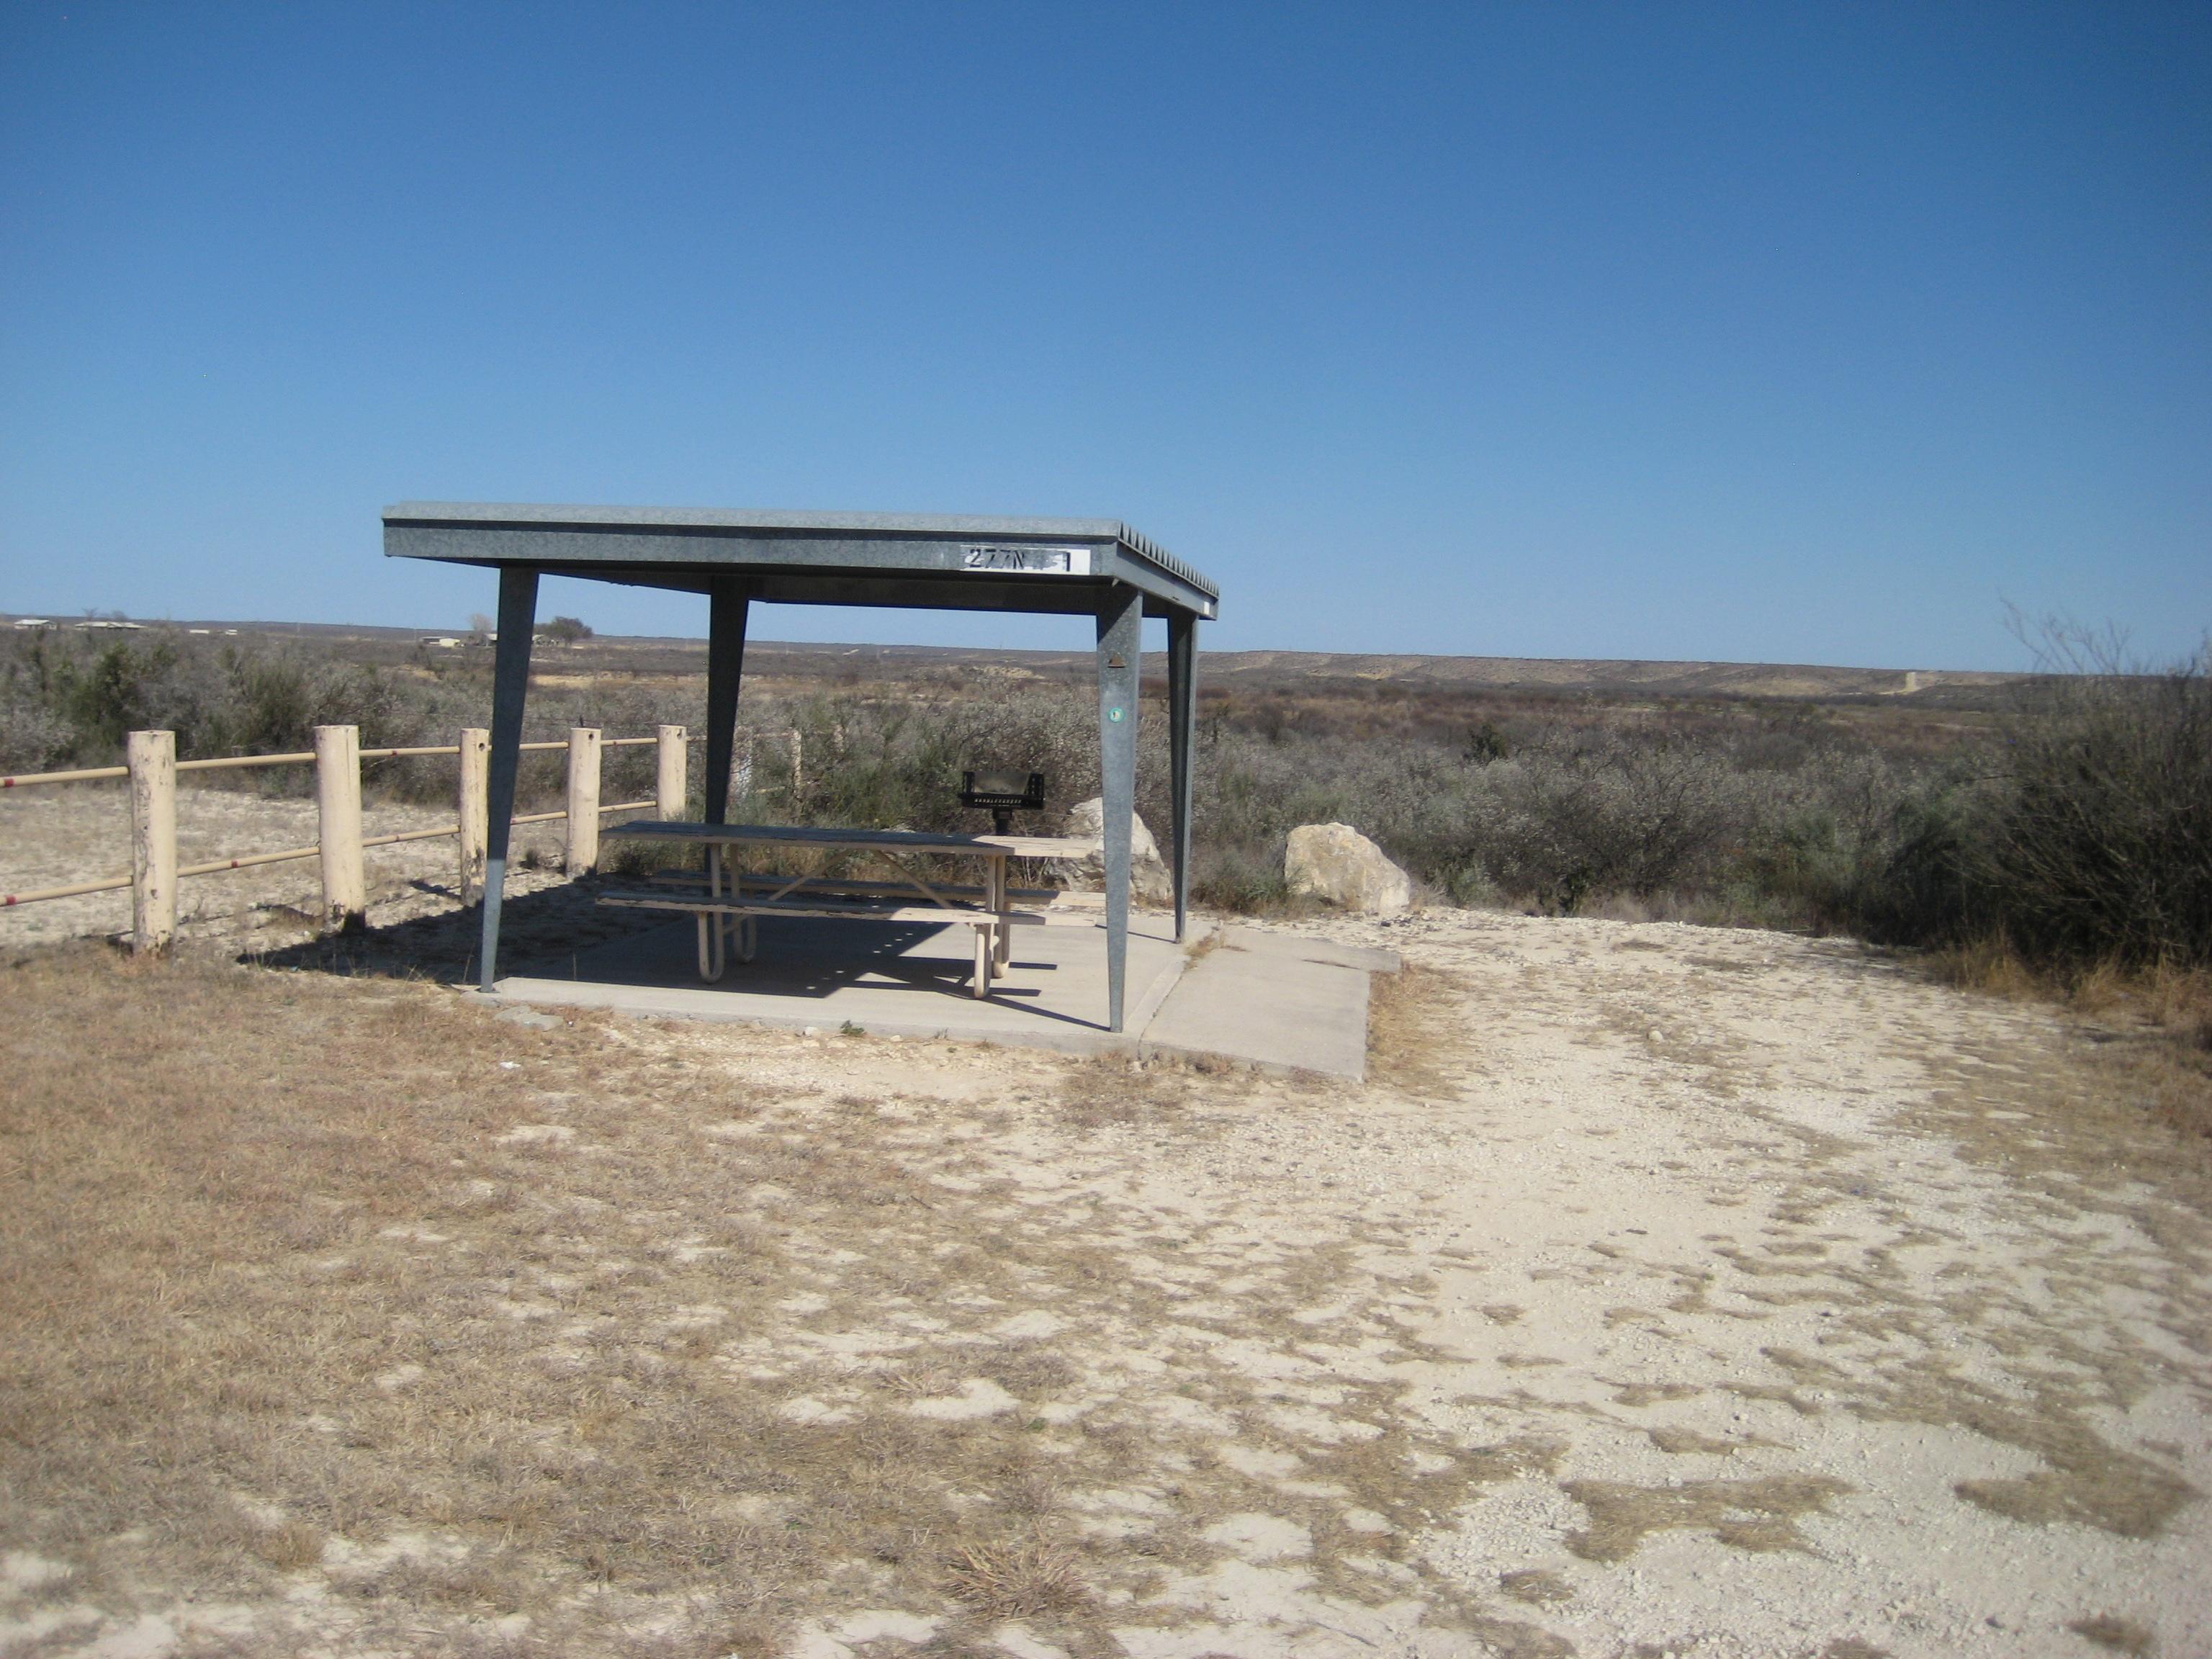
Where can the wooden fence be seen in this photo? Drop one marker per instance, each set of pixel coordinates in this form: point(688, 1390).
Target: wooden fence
point(151, 765)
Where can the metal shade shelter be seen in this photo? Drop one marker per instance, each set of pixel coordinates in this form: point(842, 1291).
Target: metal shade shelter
point(1097, 568)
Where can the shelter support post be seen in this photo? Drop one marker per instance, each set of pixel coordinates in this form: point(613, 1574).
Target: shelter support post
point(728, 602)
point(510, 684)
point(1120, 623)
point(1183, 731)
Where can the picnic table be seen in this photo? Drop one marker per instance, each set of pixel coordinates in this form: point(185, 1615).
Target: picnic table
point(728, 904)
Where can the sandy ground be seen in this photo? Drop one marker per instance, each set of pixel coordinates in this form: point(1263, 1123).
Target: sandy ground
point(1667, 1291)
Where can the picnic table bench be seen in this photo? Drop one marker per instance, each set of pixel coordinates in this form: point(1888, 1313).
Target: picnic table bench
point(728, 904)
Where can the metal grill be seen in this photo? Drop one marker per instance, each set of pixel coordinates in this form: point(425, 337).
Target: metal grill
point(1002, 794)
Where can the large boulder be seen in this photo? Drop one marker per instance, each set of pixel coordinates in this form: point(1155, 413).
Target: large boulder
point(1149, 880)
point(1334, 861)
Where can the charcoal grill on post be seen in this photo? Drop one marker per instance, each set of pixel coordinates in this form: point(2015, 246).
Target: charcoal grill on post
point(1002, 794)
point(1095, 567)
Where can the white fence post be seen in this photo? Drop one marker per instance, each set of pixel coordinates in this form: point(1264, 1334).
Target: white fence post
point(583, 855)
point(475, 810)
point(152, 758)
point(798, 767)
point(672, 781)
point(337, 808)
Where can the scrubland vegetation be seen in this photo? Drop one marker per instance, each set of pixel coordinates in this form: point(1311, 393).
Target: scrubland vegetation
point(370, 1321)
point(2068, 827)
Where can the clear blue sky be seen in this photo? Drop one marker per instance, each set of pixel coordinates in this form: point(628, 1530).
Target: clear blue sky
point(1679, 330)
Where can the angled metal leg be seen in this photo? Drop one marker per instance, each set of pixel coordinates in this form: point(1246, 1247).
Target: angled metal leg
point(728, 604)
point(510, 685)
point(1183, 732)
point(1121, 622)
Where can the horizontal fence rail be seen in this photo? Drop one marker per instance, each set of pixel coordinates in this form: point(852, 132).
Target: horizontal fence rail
point(88, 775)
point(234, 762)
point(105, 884)
point(303, 757)
point(152, 769)
point(248, 860)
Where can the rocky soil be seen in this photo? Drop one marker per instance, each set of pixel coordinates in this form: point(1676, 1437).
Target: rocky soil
point(1665, 1291)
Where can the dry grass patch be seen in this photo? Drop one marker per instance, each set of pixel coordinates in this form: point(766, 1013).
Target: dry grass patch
point(1009, 1581)
point(1751, 1515)
point(2154, 1023)
point(347, 1284)
point(1420, 1034)
point(1121, 1089)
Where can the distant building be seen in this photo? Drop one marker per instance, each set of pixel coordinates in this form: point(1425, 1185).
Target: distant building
point(441, 642)
point(32, 621)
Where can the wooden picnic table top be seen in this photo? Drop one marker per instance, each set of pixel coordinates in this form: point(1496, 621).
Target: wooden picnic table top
point(889, 841)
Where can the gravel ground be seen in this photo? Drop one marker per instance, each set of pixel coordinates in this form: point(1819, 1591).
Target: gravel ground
point(1699, 1292)
point(1769, 1299)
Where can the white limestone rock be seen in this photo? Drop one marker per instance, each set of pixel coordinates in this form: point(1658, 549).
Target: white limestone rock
point(1334, 861)
point(1149, 880)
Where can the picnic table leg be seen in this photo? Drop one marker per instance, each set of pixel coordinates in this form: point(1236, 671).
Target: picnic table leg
point(1003, 948)
point(745, 931)
point(713, 925)
point(983, 930)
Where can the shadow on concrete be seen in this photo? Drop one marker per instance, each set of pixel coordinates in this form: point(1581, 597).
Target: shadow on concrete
point(1262, 997)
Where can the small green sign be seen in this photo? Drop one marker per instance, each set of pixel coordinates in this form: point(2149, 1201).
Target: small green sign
point(1114, 714)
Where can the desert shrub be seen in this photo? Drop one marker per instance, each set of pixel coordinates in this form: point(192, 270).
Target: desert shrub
point(2079, 834)
point(270, 702)
point(70, 697)
point(1859, 844)
point(2095, 839)
point(2078, 828)
point(122, 686)
point(36, 733)
point(1568, 815)
point(893, 760)
point(1237, 877)
point(34, 737)
point(1602, 814)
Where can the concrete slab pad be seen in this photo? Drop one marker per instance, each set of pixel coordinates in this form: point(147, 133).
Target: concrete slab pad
point(1275, 1000)
point(1286, 1001)
point(888, 978)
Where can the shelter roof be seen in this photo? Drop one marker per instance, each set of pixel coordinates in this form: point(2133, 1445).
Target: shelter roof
point(931, 560)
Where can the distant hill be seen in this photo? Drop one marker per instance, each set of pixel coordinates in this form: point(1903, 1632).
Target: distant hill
point(1248, 671)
